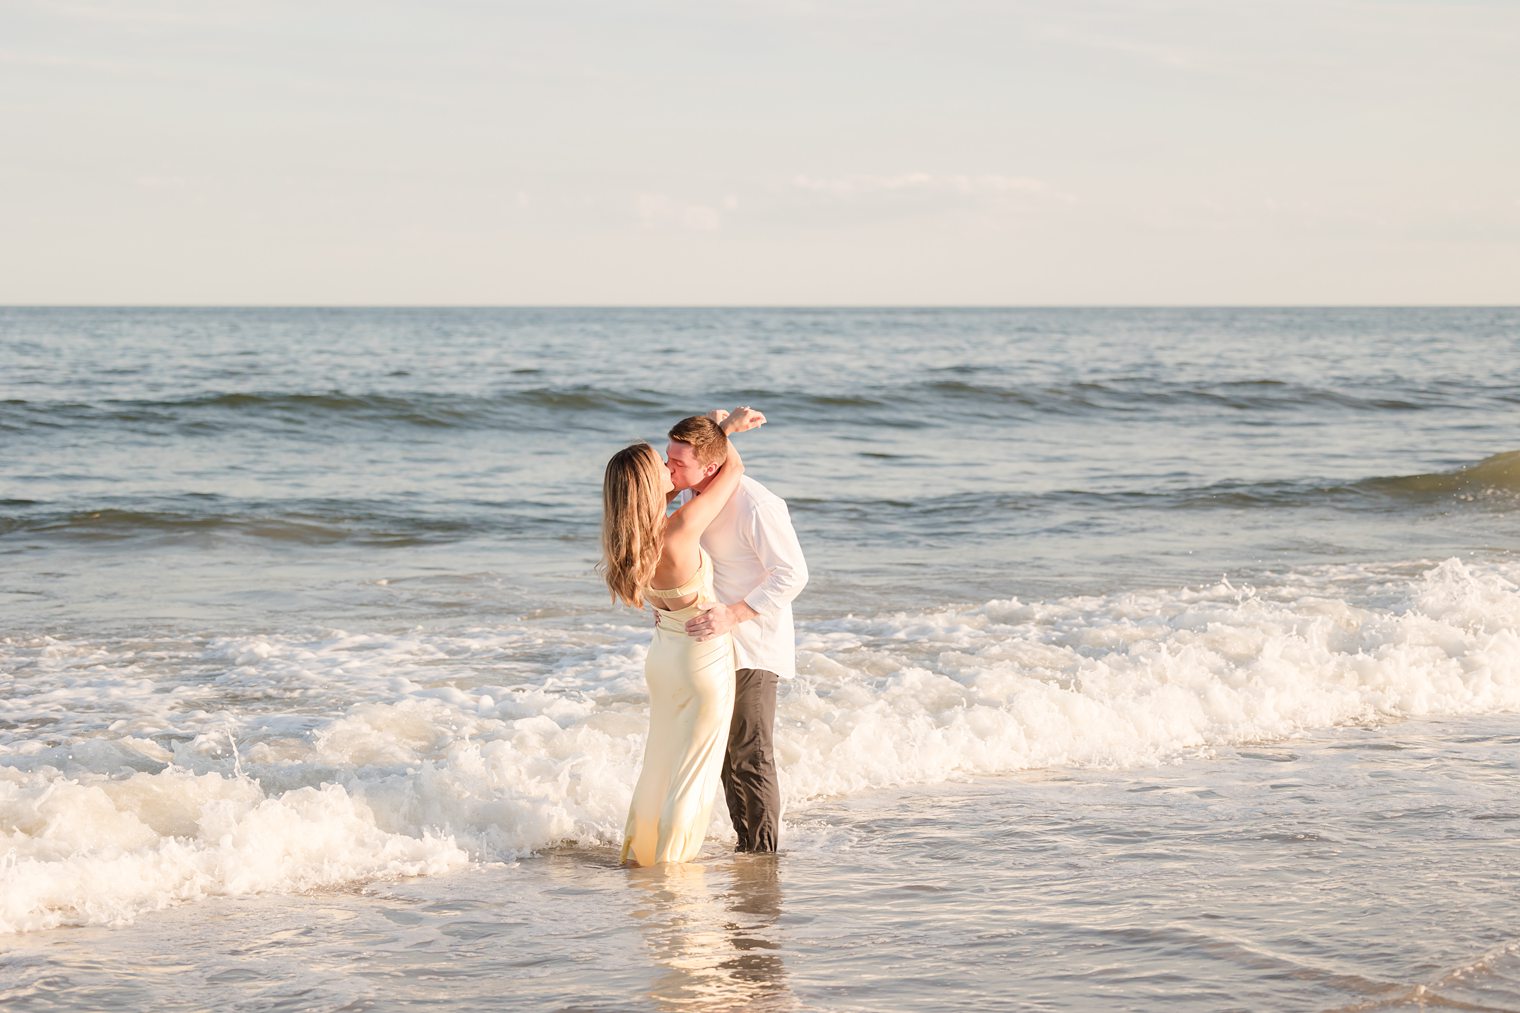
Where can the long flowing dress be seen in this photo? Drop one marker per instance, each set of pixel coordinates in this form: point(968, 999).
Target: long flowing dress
point(691, 702)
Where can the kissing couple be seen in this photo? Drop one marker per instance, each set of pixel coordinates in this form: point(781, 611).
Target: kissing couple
point(720, 572)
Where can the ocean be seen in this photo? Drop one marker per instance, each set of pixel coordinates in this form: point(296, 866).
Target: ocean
point(1152, 658)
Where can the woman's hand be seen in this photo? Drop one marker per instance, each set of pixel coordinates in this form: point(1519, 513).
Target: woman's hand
point(741, 419)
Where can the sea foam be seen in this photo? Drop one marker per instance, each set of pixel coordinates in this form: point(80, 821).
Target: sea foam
point(1136, 679)
point(132, 776)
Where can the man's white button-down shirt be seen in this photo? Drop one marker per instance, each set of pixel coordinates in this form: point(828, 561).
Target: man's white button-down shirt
point(757, 560)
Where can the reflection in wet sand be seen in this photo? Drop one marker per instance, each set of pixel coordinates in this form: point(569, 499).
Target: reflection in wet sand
point(713, 928)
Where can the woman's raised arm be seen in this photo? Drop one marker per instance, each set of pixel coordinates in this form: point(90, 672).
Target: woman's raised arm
point(693, 518)
point(741, 420)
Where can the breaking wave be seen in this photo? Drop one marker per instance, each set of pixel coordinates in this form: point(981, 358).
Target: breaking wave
point(136, 775)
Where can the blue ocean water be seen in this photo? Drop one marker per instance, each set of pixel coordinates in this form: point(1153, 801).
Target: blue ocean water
point(1050, 449)
point(302, 600)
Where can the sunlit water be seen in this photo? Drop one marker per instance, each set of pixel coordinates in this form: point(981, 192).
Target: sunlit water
point(1152, 658)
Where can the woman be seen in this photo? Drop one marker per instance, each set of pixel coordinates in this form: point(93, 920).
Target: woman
point(647, 556)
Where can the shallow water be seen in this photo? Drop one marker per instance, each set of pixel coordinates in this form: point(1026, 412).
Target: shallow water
point(1370, 868)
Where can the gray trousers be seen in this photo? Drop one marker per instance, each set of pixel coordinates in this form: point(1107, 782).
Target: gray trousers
point(749, 766)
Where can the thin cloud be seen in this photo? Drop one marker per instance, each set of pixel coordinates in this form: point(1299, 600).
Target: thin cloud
point(954, 183)
point(1275, 45)
point(146, 15)
point(658, 211)
point(162, 182)
point(1172, 57)
point(51, 61)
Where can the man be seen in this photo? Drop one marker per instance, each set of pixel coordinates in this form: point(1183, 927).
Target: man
point(757, 570)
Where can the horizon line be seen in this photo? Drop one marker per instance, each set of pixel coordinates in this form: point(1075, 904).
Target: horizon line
point(745, 306)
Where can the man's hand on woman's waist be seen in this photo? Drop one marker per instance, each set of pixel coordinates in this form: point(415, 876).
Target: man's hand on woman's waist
point(718, 619)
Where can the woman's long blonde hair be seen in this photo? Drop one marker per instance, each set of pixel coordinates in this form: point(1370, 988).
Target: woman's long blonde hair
point(633, 522)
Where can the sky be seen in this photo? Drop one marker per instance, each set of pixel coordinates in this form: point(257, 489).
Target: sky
point(787, 152)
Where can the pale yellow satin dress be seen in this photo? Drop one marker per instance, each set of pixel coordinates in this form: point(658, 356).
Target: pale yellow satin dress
point(691, 702)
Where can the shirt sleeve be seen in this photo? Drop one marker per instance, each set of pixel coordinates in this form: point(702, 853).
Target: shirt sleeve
point(770, 533)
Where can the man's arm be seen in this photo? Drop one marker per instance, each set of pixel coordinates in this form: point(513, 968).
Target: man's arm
point(775, 542)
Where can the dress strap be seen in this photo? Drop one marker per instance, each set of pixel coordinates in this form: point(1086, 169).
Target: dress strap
point(690, 585)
